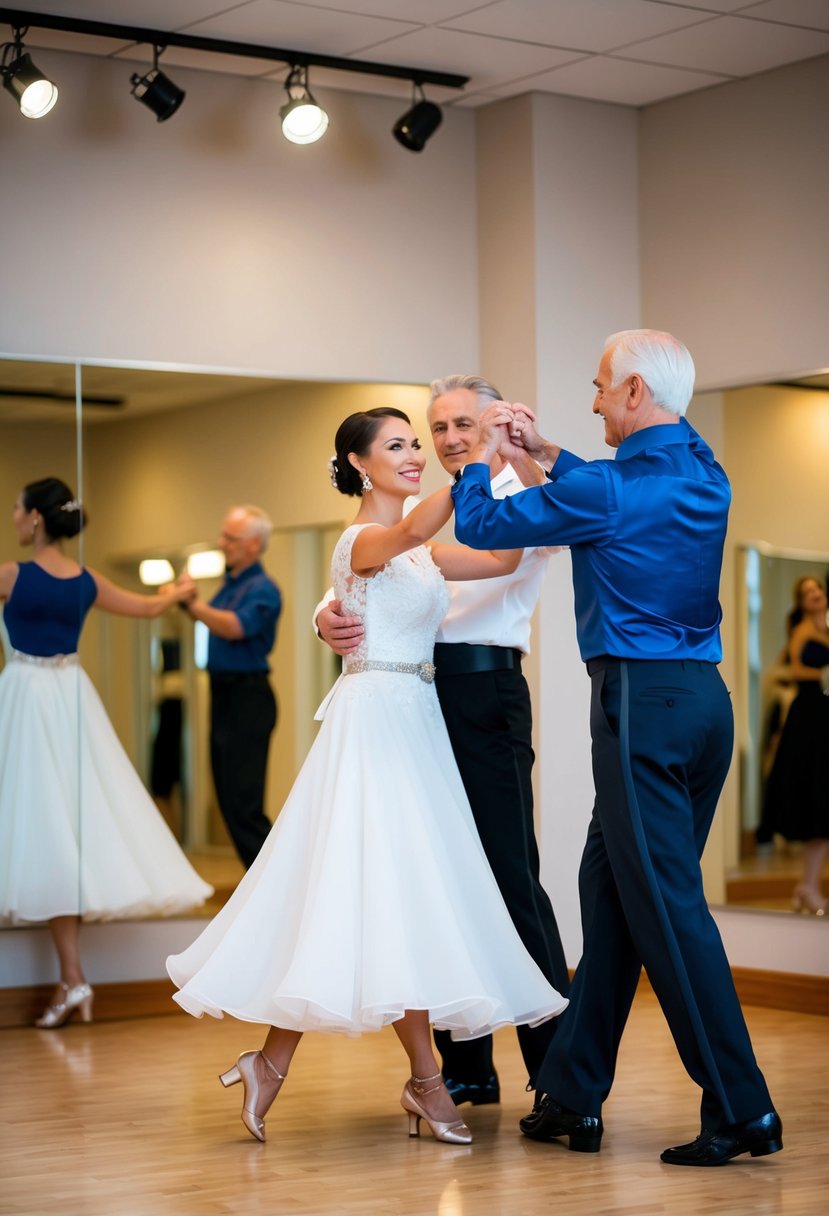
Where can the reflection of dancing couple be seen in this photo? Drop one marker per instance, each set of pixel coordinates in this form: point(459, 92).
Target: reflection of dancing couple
point(371, 901)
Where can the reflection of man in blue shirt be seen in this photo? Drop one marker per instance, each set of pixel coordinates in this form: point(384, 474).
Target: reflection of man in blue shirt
point(646, 532)
point(242, 619)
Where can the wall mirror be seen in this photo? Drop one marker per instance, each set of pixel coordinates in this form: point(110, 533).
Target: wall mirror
point(766, 581)
point(164, 453)
point(774, 442)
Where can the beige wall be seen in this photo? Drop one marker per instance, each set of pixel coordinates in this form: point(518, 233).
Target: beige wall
point(734, 186)
point(210, 240)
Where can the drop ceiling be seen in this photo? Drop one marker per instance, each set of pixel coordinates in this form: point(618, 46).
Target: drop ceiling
point(628, 52)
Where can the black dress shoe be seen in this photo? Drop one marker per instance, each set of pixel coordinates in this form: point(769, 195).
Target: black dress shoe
point(547, 1120)
point(759, 1137)
point(471, 1091)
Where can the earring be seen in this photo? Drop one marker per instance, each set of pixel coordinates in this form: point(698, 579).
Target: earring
point(35, 522)
point(365, 482)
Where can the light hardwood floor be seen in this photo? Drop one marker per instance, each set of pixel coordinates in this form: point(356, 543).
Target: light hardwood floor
point(128, 1119)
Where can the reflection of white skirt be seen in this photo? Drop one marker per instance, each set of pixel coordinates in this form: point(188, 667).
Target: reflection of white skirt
point(78, 831)
point(372, 894)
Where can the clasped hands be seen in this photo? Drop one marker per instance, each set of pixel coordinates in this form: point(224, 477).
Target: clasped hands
point(183, 591)
point(508, 429)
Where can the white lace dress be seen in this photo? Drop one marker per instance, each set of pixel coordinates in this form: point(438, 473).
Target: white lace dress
point(372, 894)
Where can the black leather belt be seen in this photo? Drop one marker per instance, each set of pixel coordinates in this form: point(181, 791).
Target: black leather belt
point(237, 677)
point(461, 658)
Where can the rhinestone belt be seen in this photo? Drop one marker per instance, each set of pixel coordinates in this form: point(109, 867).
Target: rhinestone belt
point(425, 671)
point(44, 660)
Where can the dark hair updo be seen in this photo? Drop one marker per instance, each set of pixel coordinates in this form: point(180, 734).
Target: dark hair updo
point(62, 515)
point(356, 434)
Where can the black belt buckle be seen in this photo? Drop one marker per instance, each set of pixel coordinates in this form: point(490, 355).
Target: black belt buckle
point(465, 658)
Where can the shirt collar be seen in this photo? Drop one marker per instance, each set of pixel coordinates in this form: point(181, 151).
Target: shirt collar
point(658, 436)
point(248, 572)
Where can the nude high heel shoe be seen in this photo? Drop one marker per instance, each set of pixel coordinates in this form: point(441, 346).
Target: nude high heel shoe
point(256, 1104)
point(415, 1088)
point(803, 900)
point(79, 997)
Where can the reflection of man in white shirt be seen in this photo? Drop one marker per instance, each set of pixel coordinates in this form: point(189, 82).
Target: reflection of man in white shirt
point(486, 704)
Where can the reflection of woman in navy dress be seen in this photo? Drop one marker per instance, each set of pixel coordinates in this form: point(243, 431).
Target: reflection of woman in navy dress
point(797, 792)
point(80, 838)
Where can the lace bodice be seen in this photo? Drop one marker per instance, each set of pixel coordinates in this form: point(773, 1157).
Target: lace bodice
point(401, 606)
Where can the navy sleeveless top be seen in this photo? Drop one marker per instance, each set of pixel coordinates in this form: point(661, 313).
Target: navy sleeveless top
point(44, 614)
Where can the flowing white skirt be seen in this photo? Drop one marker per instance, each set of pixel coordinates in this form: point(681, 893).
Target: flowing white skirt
point(79, 834)
point(372, 894)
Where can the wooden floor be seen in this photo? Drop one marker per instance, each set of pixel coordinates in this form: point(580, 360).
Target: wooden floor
point(128, 1119)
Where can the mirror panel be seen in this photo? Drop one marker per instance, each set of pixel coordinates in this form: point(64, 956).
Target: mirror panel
point(766, 578)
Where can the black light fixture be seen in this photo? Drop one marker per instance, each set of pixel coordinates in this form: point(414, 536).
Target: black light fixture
point(157, 91)
point(304, 121)
point(34, 93)
point(418, 124)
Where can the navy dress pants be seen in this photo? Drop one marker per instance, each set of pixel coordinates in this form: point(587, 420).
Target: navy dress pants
point(662, 740)
point(489, 719)
point(242, 717)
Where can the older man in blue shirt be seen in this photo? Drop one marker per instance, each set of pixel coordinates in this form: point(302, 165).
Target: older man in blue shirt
point(646, 532)
point(242, 618)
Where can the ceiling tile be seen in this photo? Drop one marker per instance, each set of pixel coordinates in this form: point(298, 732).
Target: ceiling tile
point(813, 14)
point(205, 61)
point(730, 45)
point(587, 25)
point(422, 12)
point(710, 6)
point(300, 27)
point(152, 14)
point(486, 61)
point(616, 80)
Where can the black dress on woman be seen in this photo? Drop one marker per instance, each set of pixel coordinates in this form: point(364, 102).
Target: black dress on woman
point(797, 791)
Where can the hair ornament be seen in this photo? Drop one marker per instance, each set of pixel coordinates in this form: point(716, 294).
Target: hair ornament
point(333, 469)
point(74, 504)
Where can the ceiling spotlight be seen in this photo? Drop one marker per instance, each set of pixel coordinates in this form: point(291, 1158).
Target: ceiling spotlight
point(33, 92)
point(157, 91)
point(303, 120)
point(418, 124)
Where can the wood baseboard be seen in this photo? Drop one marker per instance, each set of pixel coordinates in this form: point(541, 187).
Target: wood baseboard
point(779, 990)
point(154, 998)
point(132, 999)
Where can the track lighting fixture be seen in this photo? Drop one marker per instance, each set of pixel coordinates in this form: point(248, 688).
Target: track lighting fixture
point(33, 92)
point(303, 119)
point(418, 123)
point(157, 91)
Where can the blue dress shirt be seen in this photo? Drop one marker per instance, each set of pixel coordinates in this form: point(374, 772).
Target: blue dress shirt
point(256, 601)
point(646, 531)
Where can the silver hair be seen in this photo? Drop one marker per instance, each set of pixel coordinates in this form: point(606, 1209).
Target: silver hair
point(258, 524)
point(663, 362)
point(483, 389)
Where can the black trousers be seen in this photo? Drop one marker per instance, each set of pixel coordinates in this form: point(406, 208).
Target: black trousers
point(489, 719)
point(662, 738)
point(242, 717)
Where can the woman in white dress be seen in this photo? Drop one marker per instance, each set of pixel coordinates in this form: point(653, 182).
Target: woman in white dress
point(371, 901)
point(80, 837)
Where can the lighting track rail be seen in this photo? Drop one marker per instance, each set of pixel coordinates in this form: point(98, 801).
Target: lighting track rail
point(22, 18)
